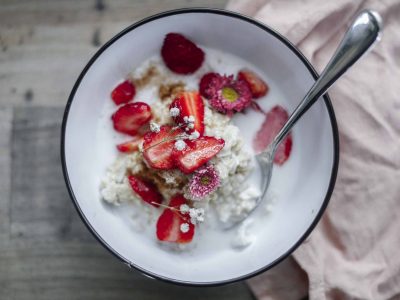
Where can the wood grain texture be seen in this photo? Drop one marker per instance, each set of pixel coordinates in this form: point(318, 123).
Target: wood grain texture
point(5, 170)
point(40, 206)
point(45, 44)
point(46, 252)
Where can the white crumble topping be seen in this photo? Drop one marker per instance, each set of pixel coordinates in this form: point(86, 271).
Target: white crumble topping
point(160, 111)
point(180, 145)
point(154, 127)
point(184, 227)
point(114, 187)
point(243, 237)
point(174, 112)
point(185, 119)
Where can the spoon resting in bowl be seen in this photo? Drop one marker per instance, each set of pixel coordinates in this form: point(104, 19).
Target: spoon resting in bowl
point(362, 34)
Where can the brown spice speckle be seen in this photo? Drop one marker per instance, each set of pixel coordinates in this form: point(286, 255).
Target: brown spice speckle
point(153, 176)
point(150, 73)
point(171, 89)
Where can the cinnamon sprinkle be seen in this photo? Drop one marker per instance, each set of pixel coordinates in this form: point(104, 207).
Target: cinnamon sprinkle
point(169, 90)
point(145, 79)
point(153, 176)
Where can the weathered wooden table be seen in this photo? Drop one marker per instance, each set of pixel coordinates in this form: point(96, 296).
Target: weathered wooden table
point(45, 250)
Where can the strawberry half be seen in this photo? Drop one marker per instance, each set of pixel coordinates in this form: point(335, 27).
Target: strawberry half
point(274, 121)
point(205, 82)
point(124, 92)
point(130, 146)
point(197, 153)
point(170, 221)
point(158, 146)
point(146, 190)
point(190, 104)
point(181, 55)
point(257, 86)
point(130, 117)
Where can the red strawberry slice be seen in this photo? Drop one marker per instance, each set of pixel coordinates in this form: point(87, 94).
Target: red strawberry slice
point(170, 221)
point(205, 82)
point(130, 117)
point(190, 104)
point(131, 145)
point(158, 146)
point(181, 55)
point(124, 92)
point(197, 153)
point(146, 190)
point(274, 121)
point(257, 86)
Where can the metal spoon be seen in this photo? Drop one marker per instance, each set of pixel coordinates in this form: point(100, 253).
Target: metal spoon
point(362, 34)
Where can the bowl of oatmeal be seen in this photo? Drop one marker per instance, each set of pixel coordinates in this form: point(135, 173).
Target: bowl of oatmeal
point(158, 143)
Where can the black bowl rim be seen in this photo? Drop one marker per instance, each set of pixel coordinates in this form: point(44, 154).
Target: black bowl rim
point(288, 44)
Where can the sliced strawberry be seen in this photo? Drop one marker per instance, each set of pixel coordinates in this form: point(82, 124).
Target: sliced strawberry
point(197, 153)
point(158, 146)
point(205, 82)
point(130, 117)
point(124, 92)
point(274, 121)
point(146, 190)
point(170, 221)
point(190, 104)
point(257, 86)
point(181, 55)
point(131, 145)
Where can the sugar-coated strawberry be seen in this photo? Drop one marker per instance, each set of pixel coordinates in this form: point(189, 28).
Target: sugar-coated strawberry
point(190, 104)
point(158, 146)
point(146, 190)
point(131, 145)
point(258, 87)
point(130, 117)
point(124, 92)
point(274, 121)
point(181, 55)
point(197, 152)
point(205, 83)
point(170, 221)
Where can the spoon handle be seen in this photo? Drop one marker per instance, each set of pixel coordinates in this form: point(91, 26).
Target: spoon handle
point(361, 35)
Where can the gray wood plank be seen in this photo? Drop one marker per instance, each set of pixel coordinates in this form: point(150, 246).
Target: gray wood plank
point(5, 178)
point(40, 206)
point(73, 270)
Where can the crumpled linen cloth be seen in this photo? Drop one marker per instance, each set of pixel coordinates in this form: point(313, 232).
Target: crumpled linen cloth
point(354, 252)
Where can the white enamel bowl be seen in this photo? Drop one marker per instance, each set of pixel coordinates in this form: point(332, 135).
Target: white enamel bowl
point(305, 185)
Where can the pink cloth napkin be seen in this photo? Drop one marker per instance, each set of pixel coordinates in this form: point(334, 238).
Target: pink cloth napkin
point(354, 251)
